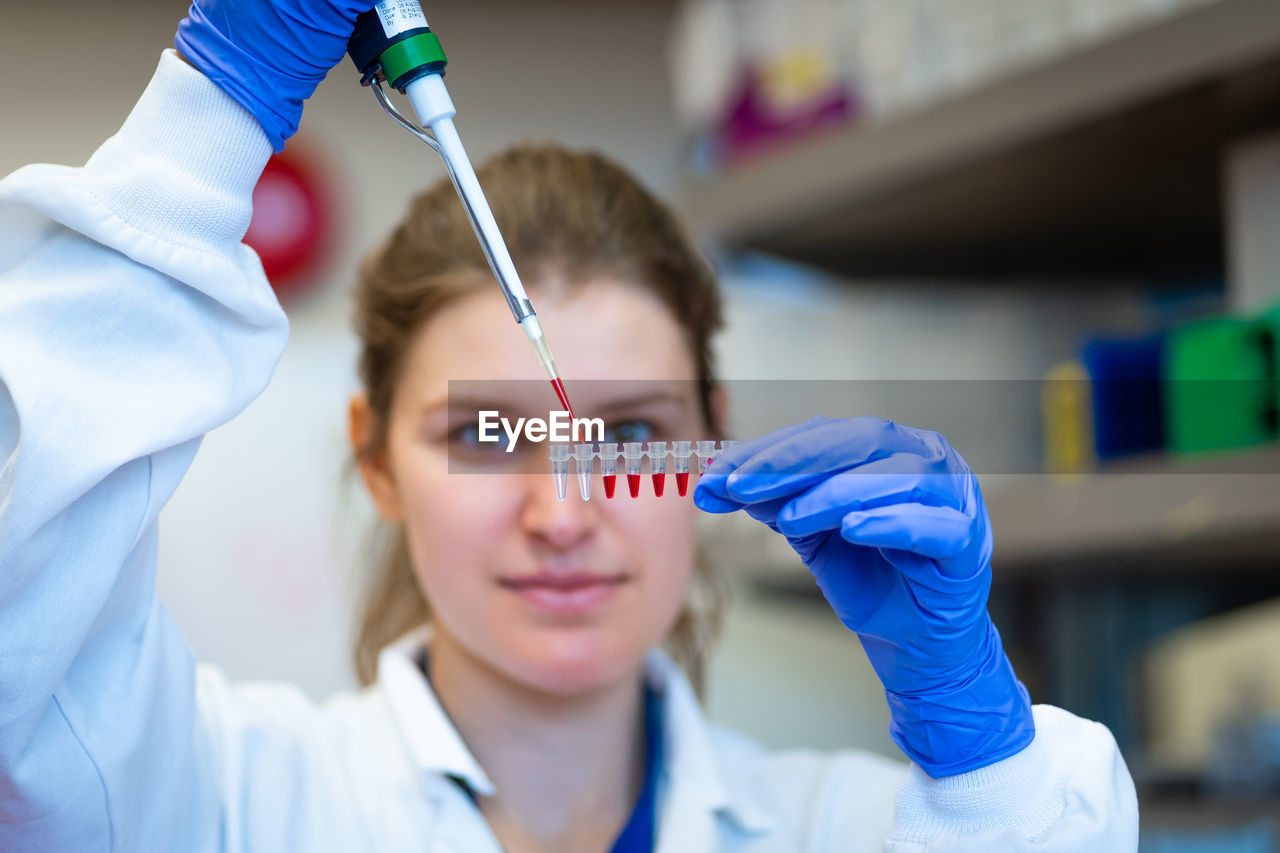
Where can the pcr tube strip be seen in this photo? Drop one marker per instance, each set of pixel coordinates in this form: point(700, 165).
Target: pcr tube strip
point(633, 454)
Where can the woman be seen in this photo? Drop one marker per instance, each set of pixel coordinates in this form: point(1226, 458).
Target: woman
point(525, 711)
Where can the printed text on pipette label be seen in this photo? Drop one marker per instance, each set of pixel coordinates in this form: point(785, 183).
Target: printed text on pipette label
point(557, 427)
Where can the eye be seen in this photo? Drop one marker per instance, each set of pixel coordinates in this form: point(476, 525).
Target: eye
point(636, 429)
point(466, 438)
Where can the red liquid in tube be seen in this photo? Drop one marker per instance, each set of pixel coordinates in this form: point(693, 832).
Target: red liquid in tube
point(659, 483)
point(558, 386)
point(682, 482)
point(610, 482)
point(633, 485)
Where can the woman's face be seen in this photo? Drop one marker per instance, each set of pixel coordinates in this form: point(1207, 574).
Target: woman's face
point(561, 596)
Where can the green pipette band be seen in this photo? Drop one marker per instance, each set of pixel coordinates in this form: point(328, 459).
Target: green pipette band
point(410, 54)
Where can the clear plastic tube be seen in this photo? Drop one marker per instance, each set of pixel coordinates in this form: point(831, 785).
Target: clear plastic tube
point(682, 450)
point(584, 459)
point(560, 469)
point(706, 451)
point(609, 467)
point(657, 451)
point(632, 457)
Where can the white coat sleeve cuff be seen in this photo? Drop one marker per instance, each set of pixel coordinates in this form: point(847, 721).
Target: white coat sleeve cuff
point(1068, 790)
point(204, 153)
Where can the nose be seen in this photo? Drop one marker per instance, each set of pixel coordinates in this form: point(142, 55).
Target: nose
point(561, 524)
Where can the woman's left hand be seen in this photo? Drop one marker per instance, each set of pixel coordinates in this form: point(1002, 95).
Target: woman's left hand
point(891, 522)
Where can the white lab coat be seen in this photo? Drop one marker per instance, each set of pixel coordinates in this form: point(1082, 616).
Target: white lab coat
point(132, 322)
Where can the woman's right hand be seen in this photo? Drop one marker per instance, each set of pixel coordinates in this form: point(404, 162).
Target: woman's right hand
point(268, 55)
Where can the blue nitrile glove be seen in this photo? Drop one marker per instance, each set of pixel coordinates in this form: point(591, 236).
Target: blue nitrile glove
point(891, 522)
point(268, 55)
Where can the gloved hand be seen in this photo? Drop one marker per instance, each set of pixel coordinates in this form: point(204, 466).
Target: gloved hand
point(891, 522)
point(268, 55)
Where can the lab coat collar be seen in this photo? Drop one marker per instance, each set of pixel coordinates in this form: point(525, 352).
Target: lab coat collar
point(694, 775)
point(696, 769)
point(433, 744)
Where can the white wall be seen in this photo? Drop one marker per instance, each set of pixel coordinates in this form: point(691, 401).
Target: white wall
point(261, 551)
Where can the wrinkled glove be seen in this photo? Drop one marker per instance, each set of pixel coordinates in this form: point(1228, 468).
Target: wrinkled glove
point(891, 522)
point(268, 55)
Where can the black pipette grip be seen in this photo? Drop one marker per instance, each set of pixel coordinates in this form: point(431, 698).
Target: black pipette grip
point(399, 58)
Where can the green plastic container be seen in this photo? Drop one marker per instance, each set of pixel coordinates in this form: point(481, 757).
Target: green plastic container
point(1271, 329)
point(1220, 390)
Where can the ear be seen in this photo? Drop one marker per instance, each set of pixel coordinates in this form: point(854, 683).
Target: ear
point(374, 470)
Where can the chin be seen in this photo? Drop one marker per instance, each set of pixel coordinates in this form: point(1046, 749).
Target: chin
point(570, 665)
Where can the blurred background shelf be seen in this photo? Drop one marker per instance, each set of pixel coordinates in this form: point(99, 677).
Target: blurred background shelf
point(1147, 519)
point(1105, 161)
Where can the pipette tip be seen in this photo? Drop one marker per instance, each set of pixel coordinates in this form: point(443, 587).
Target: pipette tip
point(558, 384)
point(533, 330)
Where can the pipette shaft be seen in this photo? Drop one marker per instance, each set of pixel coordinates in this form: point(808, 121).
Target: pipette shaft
point(435, 110)
point(395, 41)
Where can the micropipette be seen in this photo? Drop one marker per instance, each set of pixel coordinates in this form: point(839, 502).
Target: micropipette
point(392, 43)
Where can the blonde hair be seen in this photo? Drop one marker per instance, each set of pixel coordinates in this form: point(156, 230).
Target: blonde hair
point(565, 215)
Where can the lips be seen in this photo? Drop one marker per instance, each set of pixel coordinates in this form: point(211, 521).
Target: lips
point(560, 580)
point(564, 593)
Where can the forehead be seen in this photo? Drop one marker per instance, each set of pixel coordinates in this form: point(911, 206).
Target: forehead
point(602, 329)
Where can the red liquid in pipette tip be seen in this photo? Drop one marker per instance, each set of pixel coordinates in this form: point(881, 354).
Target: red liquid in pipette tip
point(610, 482)
point(558, 385)
point(659, 483)
point(682, 482)
point(633, 485)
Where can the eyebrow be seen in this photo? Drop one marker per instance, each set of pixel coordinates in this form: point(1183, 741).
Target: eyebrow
point(639, 400)
point(464, 404)
point(622, 403)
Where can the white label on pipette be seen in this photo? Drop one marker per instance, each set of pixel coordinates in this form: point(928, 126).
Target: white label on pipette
point(400, 15)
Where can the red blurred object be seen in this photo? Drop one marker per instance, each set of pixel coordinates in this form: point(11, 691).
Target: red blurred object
point(293, 220)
